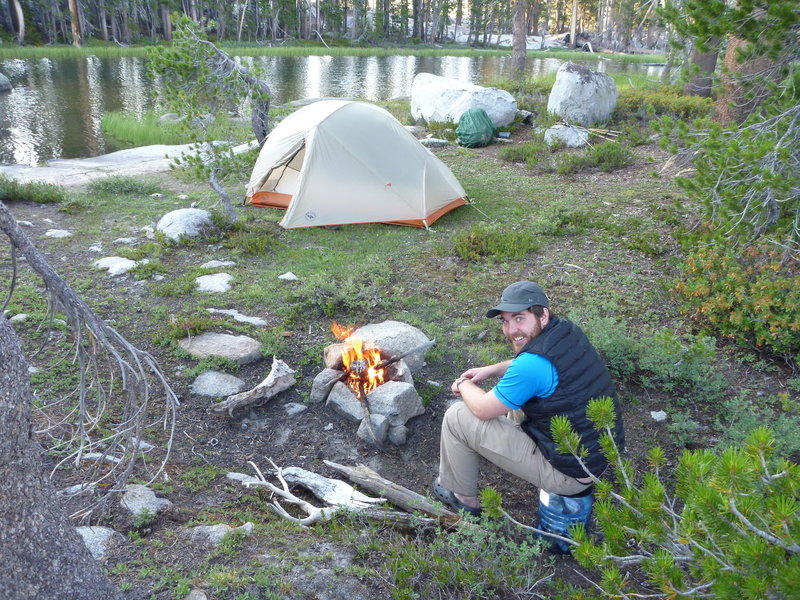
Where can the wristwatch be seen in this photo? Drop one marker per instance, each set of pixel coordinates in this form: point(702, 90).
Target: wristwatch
point(459, 381)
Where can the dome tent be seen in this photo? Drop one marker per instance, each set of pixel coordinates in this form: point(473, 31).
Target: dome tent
point(336, 161)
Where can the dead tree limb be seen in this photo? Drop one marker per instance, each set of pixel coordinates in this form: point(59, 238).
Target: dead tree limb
point(279, 379)
point(397, 494)
point(94, 341)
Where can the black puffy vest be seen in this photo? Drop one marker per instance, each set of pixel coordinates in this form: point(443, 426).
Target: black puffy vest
point(582, 376)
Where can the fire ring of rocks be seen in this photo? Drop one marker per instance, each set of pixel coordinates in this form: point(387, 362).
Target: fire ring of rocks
point(368, 378)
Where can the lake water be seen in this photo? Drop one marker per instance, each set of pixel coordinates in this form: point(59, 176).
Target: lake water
point(56, 106)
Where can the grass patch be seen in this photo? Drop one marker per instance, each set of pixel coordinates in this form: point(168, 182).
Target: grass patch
point(41, 193)
point(123, 185)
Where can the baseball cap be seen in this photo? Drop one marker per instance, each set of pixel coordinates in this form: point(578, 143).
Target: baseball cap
point(519, 296)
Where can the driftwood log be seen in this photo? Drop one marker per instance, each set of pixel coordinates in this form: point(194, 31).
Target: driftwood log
point(279, 379)
point(395, 493)
point(339, 496)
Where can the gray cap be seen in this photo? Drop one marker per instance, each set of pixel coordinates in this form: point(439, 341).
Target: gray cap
point(519, 296)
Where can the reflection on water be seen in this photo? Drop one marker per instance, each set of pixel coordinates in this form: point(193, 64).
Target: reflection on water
point(56, 107)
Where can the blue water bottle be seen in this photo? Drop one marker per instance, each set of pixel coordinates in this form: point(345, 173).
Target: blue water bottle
point(558, 513)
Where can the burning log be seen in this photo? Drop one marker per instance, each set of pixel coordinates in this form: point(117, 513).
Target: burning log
point(280, 378)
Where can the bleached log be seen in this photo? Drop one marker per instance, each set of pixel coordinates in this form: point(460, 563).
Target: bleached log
point(331, 491)
point(338, 493)
point(280, 378)
point(397, 494)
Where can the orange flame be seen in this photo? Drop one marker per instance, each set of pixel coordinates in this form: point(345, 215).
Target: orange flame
point(360, 362)
point(342, 331)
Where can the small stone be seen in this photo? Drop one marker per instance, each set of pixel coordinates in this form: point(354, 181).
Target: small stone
point(97, 539)
point(214, 264)
point(156, 195)
point(19, 318)
point(288, 276)
point(294, 408)
point(216, 385)
point(658, 415)
point(96, 247)
point(24, 223)
point(57, 233)
point(219, 283)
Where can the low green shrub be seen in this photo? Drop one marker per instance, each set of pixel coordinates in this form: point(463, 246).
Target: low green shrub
point(741, 415)
point(123, 185)
point(348, 295)
point(685, 366)
point(752, 297)
point(607, 156)
point(475, 560)
point(489, 240)
point(41, 193)
point(647, 103)
point(535, 153)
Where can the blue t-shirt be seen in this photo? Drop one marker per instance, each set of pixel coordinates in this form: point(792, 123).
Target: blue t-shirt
point(528, 376)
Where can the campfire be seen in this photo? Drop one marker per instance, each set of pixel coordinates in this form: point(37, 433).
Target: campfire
point(364, 369)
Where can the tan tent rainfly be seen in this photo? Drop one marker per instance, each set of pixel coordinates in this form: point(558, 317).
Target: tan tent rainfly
point(336, 161)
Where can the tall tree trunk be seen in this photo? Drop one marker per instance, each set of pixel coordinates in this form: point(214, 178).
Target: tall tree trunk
point(416, 18)
point(520, 40)
point(166, 22)
point(573, 25)
point(738, 100)
point(20, 19)
point(706, 63)
point(43, 555)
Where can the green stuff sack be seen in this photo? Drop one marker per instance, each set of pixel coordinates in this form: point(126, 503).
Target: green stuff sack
point(475, 129)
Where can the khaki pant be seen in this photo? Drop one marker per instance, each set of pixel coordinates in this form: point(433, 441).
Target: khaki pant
point(465, 438)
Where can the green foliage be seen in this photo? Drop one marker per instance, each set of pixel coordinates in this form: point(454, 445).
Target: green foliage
point(645, 103)
point(349, 295)
point(197, 478)
point(685, 366)
point(492, 241)
point(747, 176)
point(752, 297)
point(41, 193)
point(123, 185)
point(741, 415)
point(607, 156)
point(729, 527)
point(143, 519)
point(476, 560)
point(535, 153)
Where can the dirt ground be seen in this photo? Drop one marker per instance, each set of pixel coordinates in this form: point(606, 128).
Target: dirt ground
point(317, 434)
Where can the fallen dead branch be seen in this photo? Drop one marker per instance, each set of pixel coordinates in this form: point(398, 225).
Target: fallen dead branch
point(279, 379)
point(397, 494)
point(337, 494)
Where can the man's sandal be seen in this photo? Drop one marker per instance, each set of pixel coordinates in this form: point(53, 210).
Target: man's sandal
point(448, 498)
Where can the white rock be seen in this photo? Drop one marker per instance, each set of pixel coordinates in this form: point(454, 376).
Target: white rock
point(658, 415)
point(216, 385)
point(24, 223)
point(126, 240)
point(97, 539)
point(19, 318)
point(582, 96)
point(288, 276)
point(237, 316)
point(240, 348)
point(188, 222)
point(294, 408)
point(241, 477)
point(156, 195)
point(139, 498)
point(569, 135)
point(182, 196)
point(115, 265)
point(395, 337)
point(440, 99)
point(96, 247)
point(213, 534)
point(218, 283)
point(57, 233)
point(213, 264)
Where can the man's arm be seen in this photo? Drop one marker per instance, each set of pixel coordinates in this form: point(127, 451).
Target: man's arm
point(484, 405)
point(477, 374)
